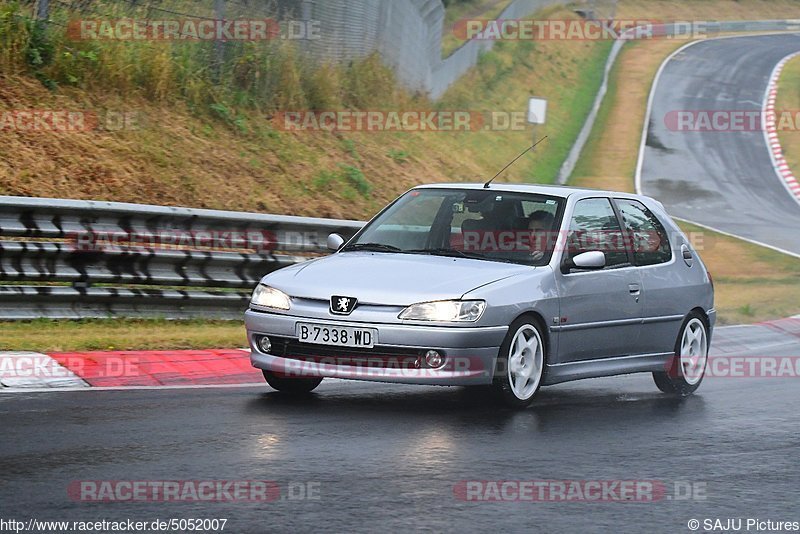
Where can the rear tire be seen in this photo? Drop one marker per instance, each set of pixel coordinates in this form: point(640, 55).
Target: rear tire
point(521, 363)
point(687, 367)
point(291, 385)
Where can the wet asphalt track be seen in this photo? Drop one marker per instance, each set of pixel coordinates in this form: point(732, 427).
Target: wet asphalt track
point(386, 457)
point(724, 180)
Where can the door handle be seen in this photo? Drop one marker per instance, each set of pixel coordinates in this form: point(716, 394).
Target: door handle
point(636, 291)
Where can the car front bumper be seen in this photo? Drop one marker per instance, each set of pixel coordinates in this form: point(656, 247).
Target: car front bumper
point(470, 352)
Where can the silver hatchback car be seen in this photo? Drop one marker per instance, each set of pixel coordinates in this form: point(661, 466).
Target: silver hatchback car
point(515, 286)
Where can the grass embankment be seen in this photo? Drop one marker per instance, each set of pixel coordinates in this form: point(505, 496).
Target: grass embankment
point(222, 148)
point(752, 283)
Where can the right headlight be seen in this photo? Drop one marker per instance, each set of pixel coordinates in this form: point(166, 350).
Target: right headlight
point(269, 297)
point(445, 311)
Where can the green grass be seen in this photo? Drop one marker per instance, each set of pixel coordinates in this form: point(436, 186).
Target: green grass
point(581, 101)
point(43, 335)
point(347, 179)
point(584, 165)
point(399, 156)
point(568, 75)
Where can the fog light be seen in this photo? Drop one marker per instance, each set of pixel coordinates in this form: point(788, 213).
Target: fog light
point(434, 359)
point(265, 344)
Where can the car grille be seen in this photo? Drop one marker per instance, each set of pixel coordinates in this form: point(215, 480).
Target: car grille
point(377, 357)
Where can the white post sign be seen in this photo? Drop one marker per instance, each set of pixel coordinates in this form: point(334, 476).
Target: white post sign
point(537, 110)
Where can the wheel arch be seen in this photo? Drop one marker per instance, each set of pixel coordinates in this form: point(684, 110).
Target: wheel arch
point(702, 313)
point(542, 323)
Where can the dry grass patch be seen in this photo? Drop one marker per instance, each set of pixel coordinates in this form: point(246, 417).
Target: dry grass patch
point(752, 283)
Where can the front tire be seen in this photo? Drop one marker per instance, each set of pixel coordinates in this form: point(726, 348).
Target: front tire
point(520, 363)
point(687, 367)
point(291, 385)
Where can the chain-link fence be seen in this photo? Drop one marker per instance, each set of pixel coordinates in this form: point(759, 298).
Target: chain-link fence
point(407, 33)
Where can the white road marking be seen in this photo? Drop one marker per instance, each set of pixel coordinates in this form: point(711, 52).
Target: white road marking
point(32, 370)
point(746, 239)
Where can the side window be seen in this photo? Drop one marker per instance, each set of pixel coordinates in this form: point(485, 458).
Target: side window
point(649, 238)
point(594, 226)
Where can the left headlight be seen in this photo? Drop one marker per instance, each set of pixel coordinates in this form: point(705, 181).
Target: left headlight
point(269, 297)
point(445, 311)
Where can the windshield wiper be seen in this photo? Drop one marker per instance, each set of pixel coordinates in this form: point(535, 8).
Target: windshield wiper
point(448, 252)
point(452, 252)
point(373, 247)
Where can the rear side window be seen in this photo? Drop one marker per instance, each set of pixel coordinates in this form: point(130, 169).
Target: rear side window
point(647, 234)
point(594, 226)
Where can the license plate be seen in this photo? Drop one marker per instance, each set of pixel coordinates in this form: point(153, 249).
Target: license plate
point(339, 336)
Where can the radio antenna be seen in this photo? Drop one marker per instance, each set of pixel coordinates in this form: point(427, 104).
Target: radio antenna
point(487, 184)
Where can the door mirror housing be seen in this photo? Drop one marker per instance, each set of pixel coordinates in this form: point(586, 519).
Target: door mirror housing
point(593, 260)
point(335, 242)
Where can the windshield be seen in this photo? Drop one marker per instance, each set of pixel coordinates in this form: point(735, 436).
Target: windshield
point(480, 224)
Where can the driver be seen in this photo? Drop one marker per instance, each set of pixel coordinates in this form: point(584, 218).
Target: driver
point(540, 224)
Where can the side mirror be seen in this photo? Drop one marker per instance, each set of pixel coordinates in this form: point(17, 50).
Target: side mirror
point(335, 242)
point(594, 260)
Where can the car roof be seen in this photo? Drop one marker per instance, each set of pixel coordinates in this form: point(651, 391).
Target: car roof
point(551, 190)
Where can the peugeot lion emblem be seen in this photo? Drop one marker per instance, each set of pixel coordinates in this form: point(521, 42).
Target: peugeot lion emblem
point(343, 305)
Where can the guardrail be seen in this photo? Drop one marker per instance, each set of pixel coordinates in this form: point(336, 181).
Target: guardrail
point(87, 259)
